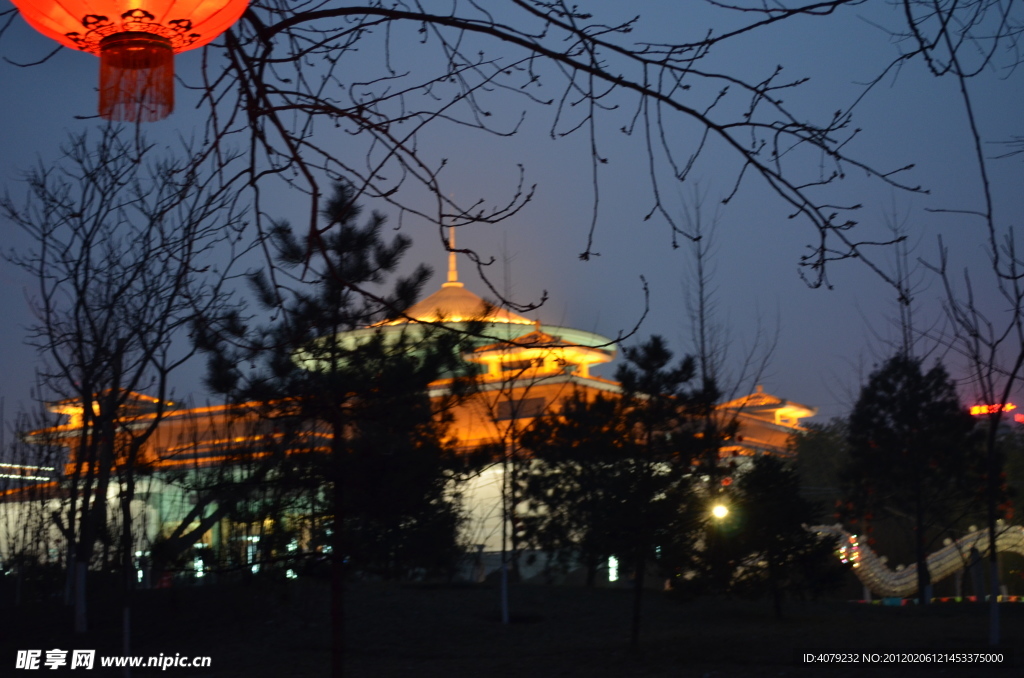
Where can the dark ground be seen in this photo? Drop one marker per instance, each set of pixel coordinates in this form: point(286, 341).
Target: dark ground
point(396, 630)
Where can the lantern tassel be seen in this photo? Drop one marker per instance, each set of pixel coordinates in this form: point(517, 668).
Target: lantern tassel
point(136, 77)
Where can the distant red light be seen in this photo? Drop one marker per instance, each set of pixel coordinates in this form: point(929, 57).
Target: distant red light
point(978, 410)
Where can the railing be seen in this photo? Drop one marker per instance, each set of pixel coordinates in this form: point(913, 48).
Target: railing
point(883, 581)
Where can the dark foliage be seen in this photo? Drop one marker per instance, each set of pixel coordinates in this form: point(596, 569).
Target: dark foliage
point(777, 555)
point(913, 455)
point(354, 407)
point(576, 484)
point(821, 453)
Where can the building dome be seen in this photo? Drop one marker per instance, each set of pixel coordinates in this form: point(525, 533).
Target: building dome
point(496, 330)
point(453, 303)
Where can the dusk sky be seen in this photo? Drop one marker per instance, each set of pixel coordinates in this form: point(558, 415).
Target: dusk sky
point(828, 340)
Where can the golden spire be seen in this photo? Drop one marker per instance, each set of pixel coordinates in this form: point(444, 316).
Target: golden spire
point(453, 271)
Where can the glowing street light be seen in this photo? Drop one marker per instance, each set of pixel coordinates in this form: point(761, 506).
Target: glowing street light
point(720, 511)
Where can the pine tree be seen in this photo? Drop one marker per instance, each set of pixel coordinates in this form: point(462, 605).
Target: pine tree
point(661, 410)
point(357, 406)
point(913, 455)
point(775, 553)
point(576, 482)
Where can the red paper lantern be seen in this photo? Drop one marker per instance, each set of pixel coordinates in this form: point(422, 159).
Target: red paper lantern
point(136, 41)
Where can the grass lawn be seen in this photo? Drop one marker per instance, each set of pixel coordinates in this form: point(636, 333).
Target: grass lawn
point(396, 630)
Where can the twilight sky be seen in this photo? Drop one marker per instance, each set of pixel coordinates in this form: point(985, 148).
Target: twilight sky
point(828, 340)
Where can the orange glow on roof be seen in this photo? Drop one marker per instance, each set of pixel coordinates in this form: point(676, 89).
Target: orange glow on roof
point(453, 303)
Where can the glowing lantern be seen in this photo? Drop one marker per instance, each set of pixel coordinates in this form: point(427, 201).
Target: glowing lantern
point(136, 41)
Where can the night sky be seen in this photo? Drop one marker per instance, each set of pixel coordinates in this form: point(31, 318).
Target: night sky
point(828, 340)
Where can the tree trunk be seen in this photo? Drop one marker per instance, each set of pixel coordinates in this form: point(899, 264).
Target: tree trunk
point(773, 578)
point(638, 592)
point(338, 587)
point(591, 573)
point(994, 631)
point(924, 577)
point(126, 635)
point(127, 564)
point(338, 554)
point(81, 625)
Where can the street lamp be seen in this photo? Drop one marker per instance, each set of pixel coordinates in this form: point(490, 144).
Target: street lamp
point(719, 511)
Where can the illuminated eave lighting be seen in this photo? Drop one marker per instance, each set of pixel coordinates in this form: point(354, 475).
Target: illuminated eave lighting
point(572, 355)
point(794, 411)
point(492, 317)
point(30, 468)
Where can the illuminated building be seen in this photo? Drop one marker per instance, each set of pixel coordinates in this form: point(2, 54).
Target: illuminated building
point(765, 423)
point(525, 369)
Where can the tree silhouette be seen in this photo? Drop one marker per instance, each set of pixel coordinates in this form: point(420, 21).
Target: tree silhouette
point(912, 454)
point(612, 475)
point(775, 552)
point(577, 480)
point(120, 237)
point(658, 402)
point(820, 456)
point(286, 69)
point(357, 406)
